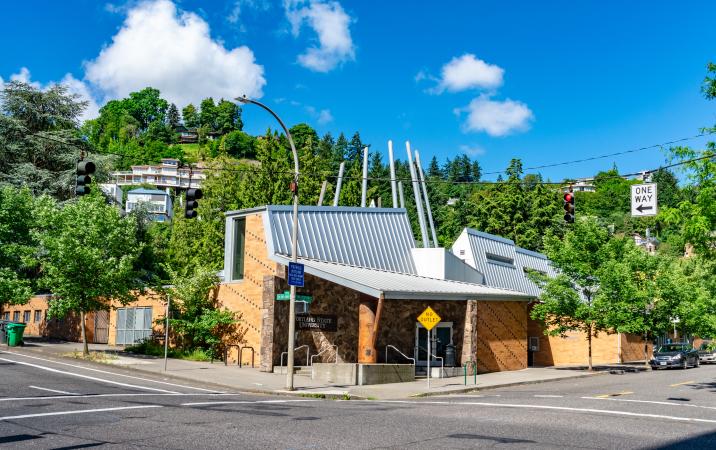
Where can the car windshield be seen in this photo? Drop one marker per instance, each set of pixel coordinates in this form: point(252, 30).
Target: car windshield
point(704, 346)
point(673, 348)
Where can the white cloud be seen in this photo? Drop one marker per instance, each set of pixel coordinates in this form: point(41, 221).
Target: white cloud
point(241, 6)
point(324, 116)
point(173, 51)
point(23, 76)
point(472, 150)
point(496, 118)
point(80, 88)
point(331, 24)
point(467, 72)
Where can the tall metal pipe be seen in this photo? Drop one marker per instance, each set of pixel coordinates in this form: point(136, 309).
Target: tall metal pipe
point(364, 188)
point(400, 193)
point(418, 202)
point(393, 188)
point(323, 192)
point(337, 196)
point(421, 178)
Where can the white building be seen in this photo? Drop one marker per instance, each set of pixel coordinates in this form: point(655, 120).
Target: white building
point(114, 192)
point(167, 174)
point(581, 185)
point(158, 203)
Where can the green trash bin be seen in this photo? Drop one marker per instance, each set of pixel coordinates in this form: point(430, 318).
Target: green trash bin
point(14, 334)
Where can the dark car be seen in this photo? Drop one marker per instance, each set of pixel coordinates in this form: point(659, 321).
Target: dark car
point(680, 355)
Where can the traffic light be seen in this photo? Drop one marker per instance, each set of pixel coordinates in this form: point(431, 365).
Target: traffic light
point(569, 206)
point(192, 195)
point(83, 181)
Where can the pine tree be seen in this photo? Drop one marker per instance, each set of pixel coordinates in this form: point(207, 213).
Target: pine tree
point(173, 117)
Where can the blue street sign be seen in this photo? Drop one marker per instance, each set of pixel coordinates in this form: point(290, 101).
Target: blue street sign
point(295, 274)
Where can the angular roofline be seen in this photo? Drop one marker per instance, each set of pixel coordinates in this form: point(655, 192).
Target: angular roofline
point(308, 208)
point(524, 251)
point(490, 236)
point(245, 211)
point(146, 191)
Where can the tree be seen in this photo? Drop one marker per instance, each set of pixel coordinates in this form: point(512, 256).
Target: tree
point(173, 117)
point(191, 117)
point(199, 320)
point(39, 139)
point(88, 257)
point(571, 301)
point(228, 117)
point(239, 144)
point(207, 116)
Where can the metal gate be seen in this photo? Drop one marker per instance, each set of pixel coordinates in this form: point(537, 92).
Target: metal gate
point(101, 327)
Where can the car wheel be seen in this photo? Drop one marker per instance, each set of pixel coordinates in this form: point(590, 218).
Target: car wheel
point(697, 363)
point(684, 364)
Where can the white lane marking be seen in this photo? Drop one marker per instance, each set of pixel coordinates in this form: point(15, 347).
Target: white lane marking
point(557, 408)
point(79, 375)
point(112, 373)
point(56, 391)
point(548, 396)
point(147, 394)
point(81, 411)
point(244, 402)
point(654, 402)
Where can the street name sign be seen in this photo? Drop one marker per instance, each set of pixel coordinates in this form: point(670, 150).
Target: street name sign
point(295, 274)
point(429, 318)
point(643, 200)
point(286, 295)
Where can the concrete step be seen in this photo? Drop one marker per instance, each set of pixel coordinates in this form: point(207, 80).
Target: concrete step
point(297, 370)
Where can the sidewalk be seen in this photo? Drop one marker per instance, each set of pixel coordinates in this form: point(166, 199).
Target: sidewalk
point(252, 380)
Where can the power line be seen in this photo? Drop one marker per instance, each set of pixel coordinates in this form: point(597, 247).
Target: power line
point(608, 155)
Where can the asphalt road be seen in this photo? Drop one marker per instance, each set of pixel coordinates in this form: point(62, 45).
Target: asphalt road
point(62, 404)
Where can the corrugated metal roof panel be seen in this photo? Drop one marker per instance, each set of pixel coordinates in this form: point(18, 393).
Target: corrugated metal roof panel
point(500, 273)
point(404, 286)
point(376, 238)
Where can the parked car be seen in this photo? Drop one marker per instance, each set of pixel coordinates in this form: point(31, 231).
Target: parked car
point(707, 353)
point(680, 354)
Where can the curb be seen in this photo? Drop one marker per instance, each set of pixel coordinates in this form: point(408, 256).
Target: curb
point(500, 386)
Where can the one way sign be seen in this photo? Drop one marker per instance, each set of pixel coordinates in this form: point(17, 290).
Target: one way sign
point(643, 200)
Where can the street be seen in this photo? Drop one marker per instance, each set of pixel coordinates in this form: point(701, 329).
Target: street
point(62, 404)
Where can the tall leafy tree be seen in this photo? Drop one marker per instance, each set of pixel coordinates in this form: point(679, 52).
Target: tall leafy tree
point(191, 116)
point(88, 257)
point(207, 116)
point(228, 117)
point(571, 301)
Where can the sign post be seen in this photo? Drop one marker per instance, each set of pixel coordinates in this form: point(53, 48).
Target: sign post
point(643, 200)
point(429, 318)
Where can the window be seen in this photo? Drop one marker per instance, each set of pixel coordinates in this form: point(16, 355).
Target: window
point(237, 272)
point(16, 316)
point(6, 316)
point(491, 257)
point(26, 317)
point(133, 325)
point(38, 316)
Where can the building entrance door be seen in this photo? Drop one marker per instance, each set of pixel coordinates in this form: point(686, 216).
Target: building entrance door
point(101, 327)
point(440, 336)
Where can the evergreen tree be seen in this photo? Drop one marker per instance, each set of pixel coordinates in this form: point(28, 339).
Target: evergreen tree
point(173, 117)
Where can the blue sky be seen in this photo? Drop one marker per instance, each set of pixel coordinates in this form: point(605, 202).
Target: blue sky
point(542, 81)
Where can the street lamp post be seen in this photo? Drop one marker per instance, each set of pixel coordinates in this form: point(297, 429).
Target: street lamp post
point(294, 242)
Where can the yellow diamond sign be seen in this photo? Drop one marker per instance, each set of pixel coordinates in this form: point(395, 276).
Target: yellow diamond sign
point(429, 318)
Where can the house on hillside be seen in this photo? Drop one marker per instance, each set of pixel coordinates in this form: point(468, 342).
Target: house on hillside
point(168, 174)
point(157, 203)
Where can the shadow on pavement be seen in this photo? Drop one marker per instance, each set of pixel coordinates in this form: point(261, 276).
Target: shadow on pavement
point(706, 440)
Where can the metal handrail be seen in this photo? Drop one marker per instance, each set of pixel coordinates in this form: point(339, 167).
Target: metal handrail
point(253, 355)
point(442, 360)
point(401, 353)
point(474, 370)
point(226, 353)
point(308, 354)
point(334, 346)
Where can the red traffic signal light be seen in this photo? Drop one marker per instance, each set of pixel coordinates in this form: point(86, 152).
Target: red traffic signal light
point(569, 207)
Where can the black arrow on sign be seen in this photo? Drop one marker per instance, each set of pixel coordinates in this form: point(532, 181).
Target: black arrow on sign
point(641, 208)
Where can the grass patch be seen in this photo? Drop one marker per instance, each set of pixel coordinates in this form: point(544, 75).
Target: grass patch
point(100, 357)
point(151, 348)
point(312, 395)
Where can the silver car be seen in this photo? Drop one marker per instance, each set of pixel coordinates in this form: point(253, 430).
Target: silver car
point(707, 353)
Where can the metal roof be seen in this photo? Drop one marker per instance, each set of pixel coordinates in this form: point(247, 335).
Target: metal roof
point(506, 274)
point(374, 238)
point(401, 286)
